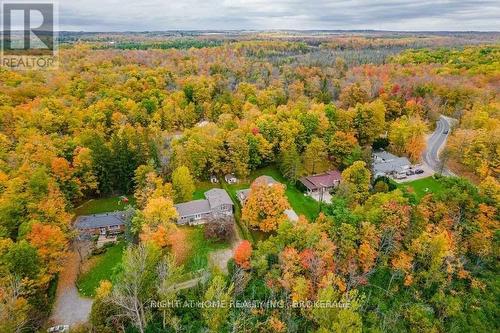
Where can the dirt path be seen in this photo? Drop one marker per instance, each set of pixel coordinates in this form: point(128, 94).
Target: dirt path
point(70, 308)
point(220, 258)
point(190, 283)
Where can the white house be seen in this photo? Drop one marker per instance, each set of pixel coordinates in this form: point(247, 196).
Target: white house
point(387, 164)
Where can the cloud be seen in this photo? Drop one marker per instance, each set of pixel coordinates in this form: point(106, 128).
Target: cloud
point(128, 15)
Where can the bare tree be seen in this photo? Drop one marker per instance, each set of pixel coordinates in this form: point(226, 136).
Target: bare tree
point(81, 244)
point(240, 279)
point(169, 274)
point(132, 294)
point(221, 229)
point(13, 306)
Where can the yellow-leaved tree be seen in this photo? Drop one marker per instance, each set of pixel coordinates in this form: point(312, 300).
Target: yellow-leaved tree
point(158, 221)
point(183, 184)
point(265, 206)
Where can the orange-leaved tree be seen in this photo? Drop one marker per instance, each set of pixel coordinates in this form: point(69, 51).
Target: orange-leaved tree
point(242, 254)
point(51, 244)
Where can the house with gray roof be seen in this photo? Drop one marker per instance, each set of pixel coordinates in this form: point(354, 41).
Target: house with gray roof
point(217, 203)
point(382, 156)
point(243, 194)
point(102, 224)
point(387, 164)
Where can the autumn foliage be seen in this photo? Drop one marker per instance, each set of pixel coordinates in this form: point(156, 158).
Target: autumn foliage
point(117, 118)
point(265, 206)
point(51, 244)
point(242, 254)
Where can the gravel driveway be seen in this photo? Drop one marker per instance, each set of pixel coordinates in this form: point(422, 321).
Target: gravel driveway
point(70, 308)
point(220, 258)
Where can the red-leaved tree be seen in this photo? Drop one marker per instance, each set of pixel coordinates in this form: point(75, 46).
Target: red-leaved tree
point(242, 254)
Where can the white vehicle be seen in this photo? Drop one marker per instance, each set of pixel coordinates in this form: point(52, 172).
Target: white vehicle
point(59, 329)
point(400, 176)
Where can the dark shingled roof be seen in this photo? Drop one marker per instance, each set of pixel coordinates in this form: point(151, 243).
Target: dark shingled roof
point(100, 220)
point(308, 184)
point(327, 179)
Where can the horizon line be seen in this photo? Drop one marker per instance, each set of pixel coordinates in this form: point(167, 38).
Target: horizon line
point(279, 30)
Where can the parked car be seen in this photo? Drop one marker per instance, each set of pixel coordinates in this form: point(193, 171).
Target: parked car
point(59, 329)
point(419, 171)
point(445, 132)
point(410, 173)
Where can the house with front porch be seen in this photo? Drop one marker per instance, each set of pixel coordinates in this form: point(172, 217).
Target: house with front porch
point(321, 183)
point(389, 165)
point(105, 224)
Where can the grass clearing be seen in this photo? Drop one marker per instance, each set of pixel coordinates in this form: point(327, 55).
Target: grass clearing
point(103, 268)
point(423, 186)
point(301, 203)
point(201, 188)
point(104, 205)
point(243, 231)
point(199, 248)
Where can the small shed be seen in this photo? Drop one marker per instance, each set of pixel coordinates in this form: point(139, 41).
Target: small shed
point(231, 178)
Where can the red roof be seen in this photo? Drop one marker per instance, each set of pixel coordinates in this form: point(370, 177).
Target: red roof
point(327, 179)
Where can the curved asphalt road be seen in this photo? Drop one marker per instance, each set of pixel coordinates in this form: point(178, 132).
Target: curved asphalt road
point(435, 143)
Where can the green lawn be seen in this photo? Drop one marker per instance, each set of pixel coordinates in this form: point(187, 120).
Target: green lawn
point(301, 204)
point(199, 248)
point(105, 205)
point(103, 269)
point(245, 233)
point(201, 188)
point(423, 186)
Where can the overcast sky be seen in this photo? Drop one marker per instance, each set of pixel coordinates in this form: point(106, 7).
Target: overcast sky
point(142, 15)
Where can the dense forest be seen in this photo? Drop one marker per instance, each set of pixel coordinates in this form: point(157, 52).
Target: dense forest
point(153, 115)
